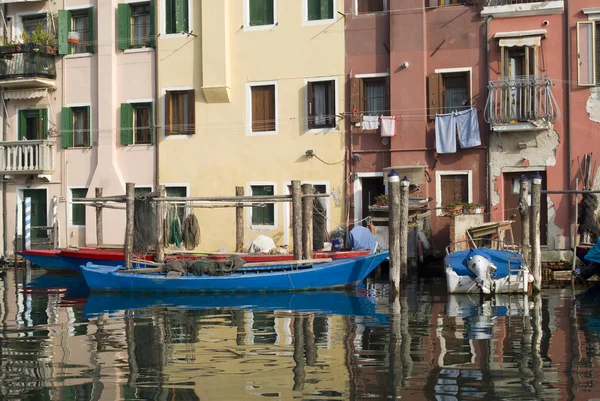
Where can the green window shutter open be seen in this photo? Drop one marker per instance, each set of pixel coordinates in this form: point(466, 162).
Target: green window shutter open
point(43, 116)
point(169, 16)
point(261, 12)
point(181, 16)
point(326, 9)
point(153, 24)
point(124, 26)
point(263, 215)
point(126, 124)
point(89, 125)
point(64, 25)
point(91, 31)
point(22, 124)
point(66, 127)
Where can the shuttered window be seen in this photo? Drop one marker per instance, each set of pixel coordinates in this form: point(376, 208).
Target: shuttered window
point(370, 6)
point(454, 188)
point(320, 9)
point(136, 25)
point(139, 191)
point(33, 124)
point(264, 117)
point(587, 60)
point(263, 215)
point(75, 127)
point(180, 112)
point(597, 43)
point(261, 12)
point(136, 123)
point(78, 210)
point(177, 16)
point(321, 104)
point(178, 192)
point(448, 92)
point(79, 25)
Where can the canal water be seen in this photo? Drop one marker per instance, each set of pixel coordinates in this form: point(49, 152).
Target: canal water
point(58, 342)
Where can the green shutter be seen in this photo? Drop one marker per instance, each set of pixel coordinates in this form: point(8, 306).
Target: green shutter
point(43, 116)
point(64, 26)
point(78, 210)
point(22, 124)
point(269, 12)
point(89, 125)
point(169, 16)
point(126, 124)
point(124, 26)
point(181, 16)
point(153, 24)
point(66, 127)
point(263, 215)
point(91, 31)
point(257, 12)
point(326, 9)
point(314, 10)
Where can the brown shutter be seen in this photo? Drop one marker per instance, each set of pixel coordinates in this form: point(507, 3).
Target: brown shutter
point(270, 108)
point(468, 86)
point(435, 94)
point(263, 108)
point(331, 102)
point(190, 129)
point(388, 99)
point(168, 110)
point(355, 100)
point(311, 105)
point(257, 109)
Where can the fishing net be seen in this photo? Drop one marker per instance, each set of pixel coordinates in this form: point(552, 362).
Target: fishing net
point(191, 232)
point(144, 226)
point(204, 266)
point(173, 225)
point(587, 209)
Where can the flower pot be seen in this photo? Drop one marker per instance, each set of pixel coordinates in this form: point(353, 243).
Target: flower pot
point(51, 50)
point(453, 211)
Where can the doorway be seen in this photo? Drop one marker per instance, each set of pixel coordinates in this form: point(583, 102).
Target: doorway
point(511, 205)
point(371, 188)
point(39, 212)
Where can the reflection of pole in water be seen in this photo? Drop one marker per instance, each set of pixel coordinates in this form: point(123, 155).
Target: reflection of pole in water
point(299, 348)
point(536, 341)
point(526, 347)
point(395, 362)
point(407, 362)
point(349, 351)
point(309, 336)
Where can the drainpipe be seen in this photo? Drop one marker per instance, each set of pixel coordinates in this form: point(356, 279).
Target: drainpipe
point(156, 103)
point(4, 117)
point(567, 115)
point(488, 183)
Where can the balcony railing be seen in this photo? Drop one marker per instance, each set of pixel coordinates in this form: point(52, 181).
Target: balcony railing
point(26, 157)
point(18, 67)
point(493, 3)
point(522, 101)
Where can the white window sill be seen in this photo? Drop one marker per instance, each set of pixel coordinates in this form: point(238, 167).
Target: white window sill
point(78, 147)
point(248, 28)
point(138, 50)
point(178, 136)
point(173, 35)
point(137, 145)
point(262, 133)
point(318, 22)
point(258, 227)
point(79, 55)
point(71, 226)
point(322, 130)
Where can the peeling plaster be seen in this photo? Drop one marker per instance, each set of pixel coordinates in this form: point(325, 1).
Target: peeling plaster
point(593, 105)
point(554, 231)
point(539, 153)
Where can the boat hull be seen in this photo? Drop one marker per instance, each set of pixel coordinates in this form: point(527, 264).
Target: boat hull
point(338, 273)
point(511, 284)
point(46, 259)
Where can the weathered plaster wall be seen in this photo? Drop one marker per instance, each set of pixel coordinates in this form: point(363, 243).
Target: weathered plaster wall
point(592, 106)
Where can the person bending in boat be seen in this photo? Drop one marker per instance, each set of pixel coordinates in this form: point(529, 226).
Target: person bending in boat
point(591, 261)
point(361, 238)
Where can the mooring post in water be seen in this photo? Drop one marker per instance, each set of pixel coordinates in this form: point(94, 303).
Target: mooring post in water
point(160, 225)
point(55, 231)
point(404, 185)
point(308, 203)
point(239, 222)
point(394, 236)
point(536, 252)
point(524, 212)
point(129, 212)
point(297, 219)
point(99, 231)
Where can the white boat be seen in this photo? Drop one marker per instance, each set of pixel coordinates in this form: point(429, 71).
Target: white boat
point(486, 270)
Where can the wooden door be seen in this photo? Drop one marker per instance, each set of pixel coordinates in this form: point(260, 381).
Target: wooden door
point(511, 205)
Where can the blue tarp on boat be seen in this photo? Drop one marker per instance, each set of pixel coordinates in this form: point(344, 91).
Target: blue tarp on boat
point(500, 258)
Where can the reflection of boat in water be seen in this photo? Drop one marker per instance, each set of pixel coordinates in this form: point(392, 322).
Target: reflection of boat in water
point(354, 303)
point(71, 288)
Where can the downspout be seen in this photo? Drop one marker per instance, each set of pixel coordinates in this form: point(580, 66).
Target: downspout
point(568, 122)
point(156, 103)
point(488, 182)
point(4, 117)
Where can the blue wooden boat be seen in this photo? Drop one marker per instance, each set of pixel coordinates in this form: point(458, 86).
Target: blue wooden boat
point(48, 259)
point(283, 277)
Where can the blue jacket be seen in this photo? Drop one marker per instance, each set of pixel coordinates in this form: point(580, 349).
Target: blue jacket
point(360, 238)
point(593, 254)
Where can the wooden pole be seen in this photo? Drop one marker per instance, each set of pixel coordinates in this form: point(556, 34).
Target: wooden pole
point(536, 252)
point(130, 194)
point(394, 240)
point(160, 226)
point(574, 233)
point(239, 222)
point(404, 185)
point(525, 226)
point(99, 230)
point(297, 219)
point(307, 221)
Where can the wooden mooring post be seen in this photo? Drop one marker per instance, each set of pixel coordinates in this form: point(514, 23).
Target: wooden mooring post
point(297, 219)
point(394, 240)
point(404, 186)
point(129, 211)
point(160, 225)
point(536, 252)
point(525, 226)
point(239, 222)
point(307, 221)
point(99, 230)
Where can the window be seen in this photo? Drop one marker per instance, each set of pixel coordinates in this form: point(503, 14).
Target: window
point(178, 192)
point(263, 110)
point(177, 16)
point(33, 124)
point(136, 25)
point(451, 2)
point(449, 92)
point(452, 186)
point(588, 53)
point(370, 6)
point(136, 123)
point(369, 98)
point(261, 12)
point(180, 111)
point(374, 97)
point(76, 31)
point(319, 10)
point(319, 189)
point(263, 215)
point(75, 127)
point(139, 191)
point(78, 209)
point(321, 104)
point(30, 23)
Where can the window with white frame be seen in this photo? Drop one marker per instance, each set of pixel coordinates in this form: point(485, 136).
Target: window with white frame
point(321, 98)
point(260, 12)
point(319, 10)
point(262, 108)
point(453, 188)
point(78, 209)
point(136, 25)
point(75, 127)
point(263, 215)
point(177, 16)
point(588, 53)
point(370, 6)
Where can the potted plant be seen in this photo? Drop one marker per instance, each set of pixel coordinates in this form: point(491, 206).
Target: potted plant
point(478, 208)
point(453, 208)
point(381, 200)
point(41, 38)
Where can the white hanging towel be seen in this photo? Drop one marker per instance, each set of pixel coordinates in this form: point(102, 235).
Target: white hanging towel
point(468, 128)
point(388, 125)
point(445, 133)
point(370, 122)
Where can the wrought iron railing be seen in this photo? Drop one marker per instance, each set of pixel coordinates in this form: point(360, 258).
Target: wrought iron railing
point(20, 157)
point(26, 64)
point(522, 99)
point(491, 3)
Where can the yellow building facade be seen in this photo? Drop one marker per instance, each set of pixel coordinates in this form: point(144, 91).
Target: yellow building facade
point(248, 89)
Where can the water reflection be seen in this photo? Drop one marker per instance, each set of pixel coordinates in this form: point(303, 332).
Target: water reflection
point(59, 342)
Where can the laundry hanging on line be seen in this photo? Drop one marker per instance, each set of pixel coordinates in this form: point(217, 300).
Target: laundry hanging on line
point(388, 126)
point(464, 122)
